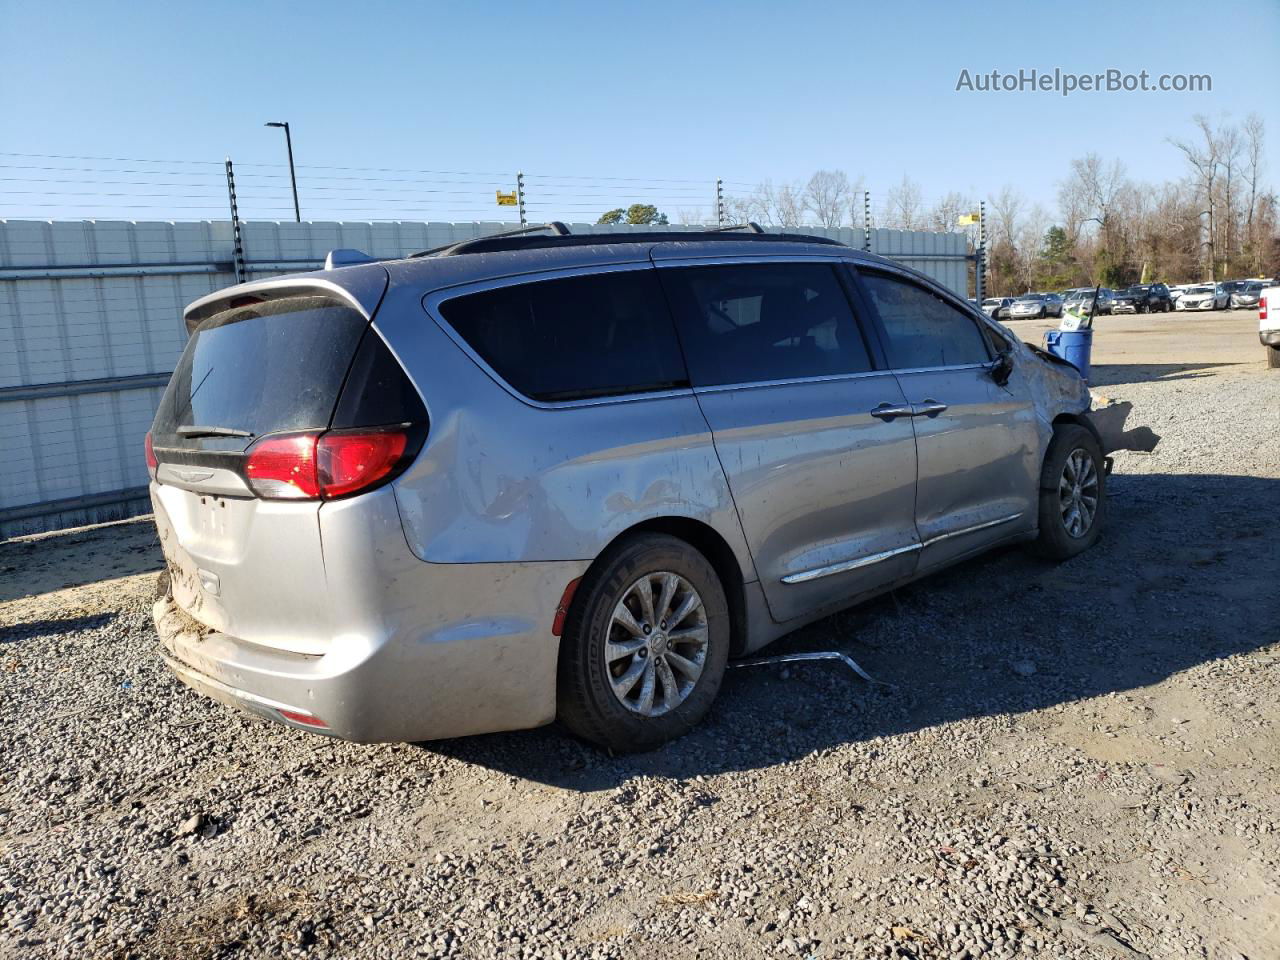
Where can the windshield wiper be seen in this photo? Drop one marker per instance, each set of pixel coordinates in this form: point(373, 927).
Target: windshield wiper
point(193, 431)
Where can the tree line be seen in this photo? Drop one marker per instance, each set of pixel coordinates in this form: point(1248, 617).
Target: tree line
point(1219, 221)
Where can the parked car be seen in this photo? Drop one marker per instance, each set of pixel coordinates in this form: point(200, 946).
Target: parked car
point(1206, 296)
point(1245, 297)
point(528, 477)
point(1081, 299)
point(997, 307)
point(1269, 322)
point(1036, 305)
point(1143, 298)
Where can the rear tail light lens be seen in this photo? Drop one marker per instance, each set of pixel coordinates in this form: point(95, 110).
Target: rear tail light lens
point(352, 460)
point(308, 466)
point(1262, 308)
point(152, 462)
point(284, 467)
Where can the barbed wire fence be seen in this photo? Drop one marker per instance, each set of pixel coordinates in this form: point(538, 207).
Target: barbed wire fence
point(65, 186)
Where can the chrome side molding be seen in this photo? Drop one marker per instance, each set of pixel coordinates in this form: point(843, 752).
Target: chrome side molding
point(804, 576)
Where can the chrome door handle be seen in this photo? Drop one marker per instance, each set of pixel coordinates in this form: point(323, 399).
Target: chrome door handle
point(930, 408)
point(887, 411)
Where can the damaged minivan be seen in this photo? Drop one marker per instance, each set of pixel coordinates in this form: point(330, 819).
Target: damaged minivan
point(547, 476)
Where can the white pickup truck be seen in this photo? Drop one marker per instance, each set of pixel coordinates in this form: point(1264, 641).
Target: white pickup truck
point(1269, 322)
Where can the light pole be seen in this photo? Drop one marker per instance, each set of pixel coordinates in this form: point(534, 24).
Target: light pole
point(293, 179)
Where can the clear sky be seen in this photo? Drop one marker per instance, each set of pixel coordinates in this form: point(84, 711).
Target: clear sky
point(672, 94)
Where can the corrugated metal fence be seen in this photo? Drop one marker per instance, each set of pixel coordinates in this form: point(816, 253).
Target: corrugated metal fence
point(91, 325)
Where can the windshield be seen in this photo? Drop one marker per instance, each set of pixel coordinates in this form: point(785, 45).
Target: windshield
point(1138, 288)
point(1253, 288)
point(1030, 296)
point(991, 303)
point(1201, 290)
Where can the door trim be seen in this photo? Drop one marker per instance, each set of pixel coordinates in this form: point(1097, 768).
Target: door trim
point(805, 576)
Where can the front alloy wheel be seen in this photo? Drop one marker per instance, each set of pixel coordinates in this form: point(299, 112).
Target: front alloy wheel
point(1073, 493)
point(1078, 493)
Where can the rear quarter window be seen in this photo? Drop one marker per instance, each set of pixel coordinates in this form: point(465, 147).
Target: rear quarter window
point(597, 335)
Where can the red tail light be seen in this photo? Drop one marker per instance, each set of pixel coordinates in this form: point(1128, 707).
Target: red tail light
point(1262, 308)
point(352, 460)
point(152, 462)
point(307, 466)
point(284, 467)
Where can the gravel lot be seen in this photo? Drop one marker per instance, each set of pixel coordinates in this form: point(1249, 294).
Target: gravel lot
point(1074, 761)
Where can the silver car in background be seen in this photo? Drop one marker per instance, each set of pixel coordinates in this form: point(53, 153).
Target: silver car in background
point(1207, 296)
point(1036, 305)
point(1246, 297)
point(534, 477)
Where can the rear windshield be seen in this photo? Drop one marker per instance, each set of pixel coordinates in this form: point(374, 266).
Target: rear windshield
point(260, 368)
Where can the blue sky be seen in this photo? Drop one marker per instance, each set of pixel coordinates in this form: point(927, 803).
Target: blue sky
point(670, 94)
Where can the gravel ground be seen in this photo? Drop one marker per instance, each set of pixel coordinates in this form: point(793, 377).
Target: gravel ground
point(1075, 761)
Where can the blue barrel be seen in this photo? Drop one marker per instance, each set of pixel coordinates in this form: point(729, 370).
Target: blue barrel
point(1072, 346)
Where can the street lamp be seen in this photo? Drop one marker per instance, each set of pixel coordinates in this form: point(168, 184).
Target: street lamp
point(293, 179)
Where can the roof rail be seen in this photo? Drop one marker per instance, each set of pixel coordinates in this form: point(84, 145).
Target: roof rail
point(555, 226)
point(749, 225)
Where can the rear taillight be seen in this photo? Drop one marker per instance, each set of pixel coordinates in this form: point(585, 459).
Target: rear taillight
point(308, 466)
point(351, 460)
point(152, 462)
point(284, 467)
point(1262, 308)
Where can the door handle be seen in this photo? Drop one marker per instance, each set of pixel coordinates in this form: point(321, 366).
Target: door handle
point(887, 411)
point(930, 408)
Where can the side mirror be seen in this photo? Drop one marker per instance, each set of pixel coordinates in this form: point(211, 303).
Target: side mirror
point(1002, 367)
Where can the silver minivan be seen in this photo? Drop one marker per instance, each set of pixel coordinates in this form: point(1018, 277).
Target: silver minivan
point(534, 477)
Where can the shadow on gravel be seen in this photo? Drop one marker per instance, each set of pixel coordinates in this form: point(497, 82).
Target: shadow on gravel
point(43, 628)
point(1184, 576)
point(1109, 374)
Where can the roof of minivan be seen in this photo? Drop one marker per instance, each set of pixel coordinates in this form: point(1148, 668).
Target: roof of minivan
point(364, 283)
point(437, 272)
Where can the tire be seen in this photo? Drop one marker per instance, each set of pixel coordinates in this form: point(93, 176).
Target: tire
point(587, 702)
point(1060, 538)
point(1273, 358)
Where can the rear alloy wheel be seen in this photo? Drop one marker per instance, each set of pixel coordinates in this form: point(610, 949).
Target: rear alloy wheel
point(1072, 494)
point(644, 646)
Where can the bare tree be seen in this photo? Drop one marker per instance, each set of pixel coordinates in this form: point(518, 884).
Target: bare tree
point(944, 214)
point(1254, 134)
point(1006, 211)
point(827, 196)
point(1205, 159)
point(904, 203)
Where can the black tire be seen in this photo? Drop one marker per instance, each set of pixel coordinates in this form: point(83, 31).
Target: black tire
point(1056, 541)
point(1273, 358)
point(587, 704)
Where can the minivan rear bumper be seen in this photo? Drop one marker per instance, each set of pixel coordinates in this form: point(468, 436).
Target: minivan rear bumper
point(417, 650)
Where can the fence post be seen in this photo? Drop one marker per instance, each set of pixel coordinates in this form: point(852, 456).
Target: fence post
point(520, 196)
point(719, 202)
point(237, 244)
point(866, 220)
point(980, 278)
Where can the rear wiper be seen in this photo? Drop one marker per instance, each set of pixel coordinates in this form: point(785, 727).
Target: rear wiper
point(193, 431)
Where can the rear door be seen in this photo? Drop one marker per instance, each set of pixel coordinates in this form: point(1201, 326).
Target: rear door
point(977, 442)
point(257, 366)
point(821, 468)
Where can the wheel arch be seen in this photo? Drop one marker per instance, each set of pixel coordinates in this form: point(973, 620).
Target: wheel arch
point(711, 544)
